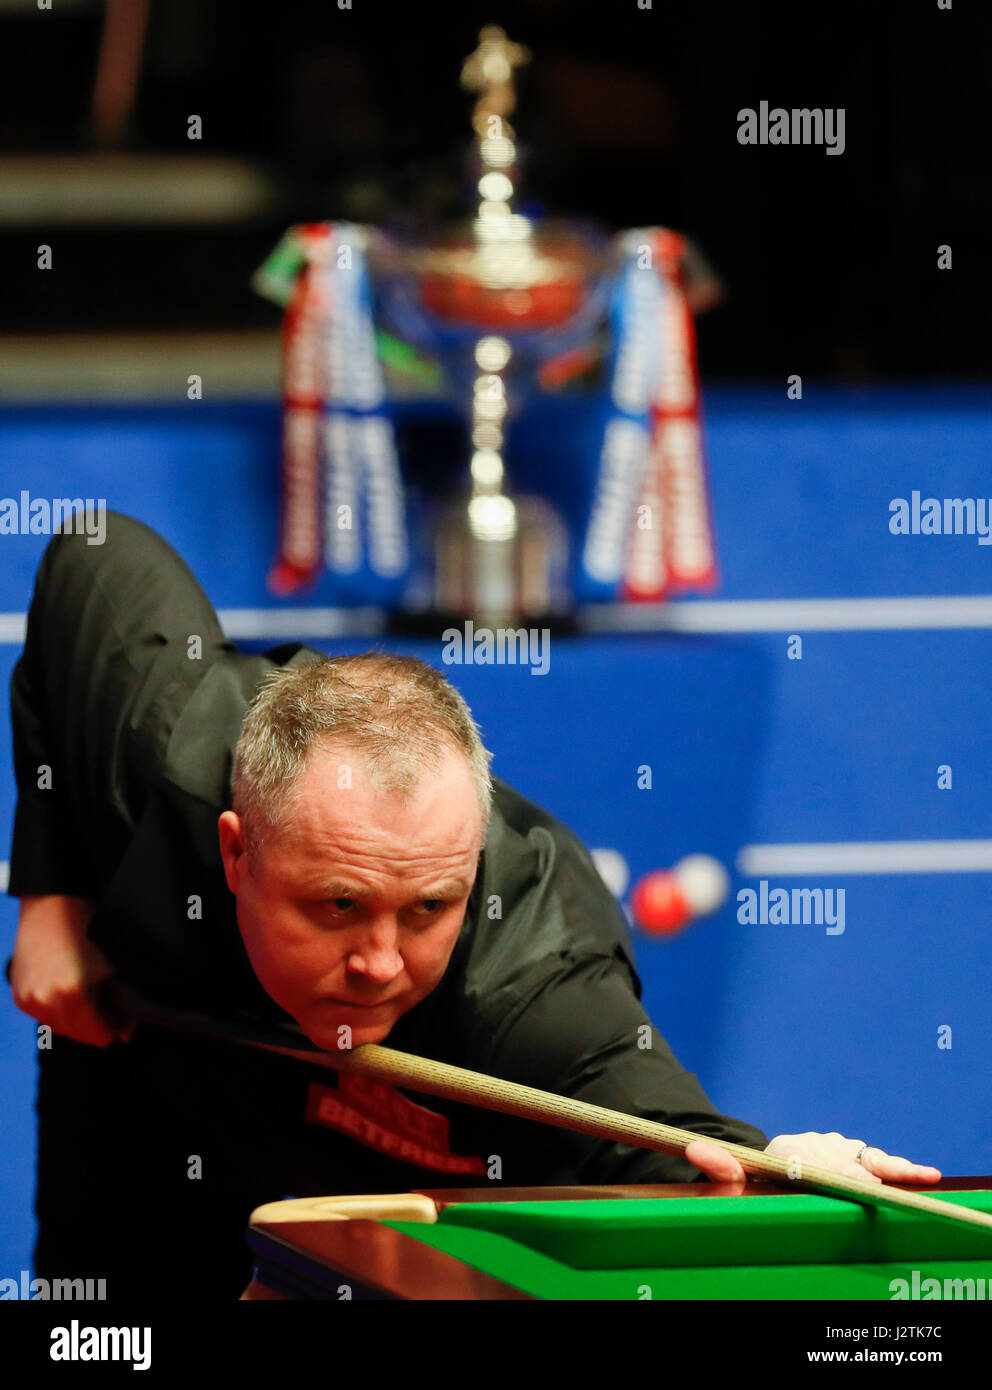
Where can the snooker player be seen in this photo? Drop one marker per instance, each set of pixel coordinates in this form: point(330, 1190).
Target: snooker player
point(381, 885)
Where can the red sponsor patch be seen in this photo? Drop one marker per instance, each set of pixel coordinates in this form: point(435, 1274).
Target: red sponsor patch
point(379, 1117)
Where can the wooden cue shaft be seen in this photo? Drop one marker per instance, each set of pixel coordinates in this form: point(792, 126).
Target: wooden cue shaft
point(492, 1093)
point(510, 1098)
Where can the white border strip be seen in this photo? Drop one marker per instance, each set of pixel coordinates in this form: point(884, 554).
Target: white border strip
point(867, 857)
point(251, 624)
point(746, 615)
point(790, 615)
point(13, 628)
point(243, 624)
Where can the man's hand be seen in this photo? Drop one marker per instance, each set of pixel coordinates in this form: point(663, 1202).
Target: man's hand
point(55, 971)
point(819, 1150)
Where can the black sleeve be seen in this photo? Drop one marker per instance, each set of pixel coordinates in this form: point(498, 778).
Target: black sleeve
point(46, 853)
point(583, 1033)
point(104, 669)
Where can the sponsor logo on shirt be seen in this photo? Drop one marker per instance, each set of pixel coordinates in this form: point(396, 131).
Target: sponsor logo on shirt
point(379, 1117)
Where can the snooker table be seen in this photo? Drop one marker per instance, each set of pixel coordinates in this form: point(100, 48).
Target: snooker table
point(678, 1241)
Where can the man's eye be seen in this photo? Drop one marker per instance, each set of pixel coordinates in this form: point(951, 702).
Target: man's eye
point(431, 905)
point(343, 904)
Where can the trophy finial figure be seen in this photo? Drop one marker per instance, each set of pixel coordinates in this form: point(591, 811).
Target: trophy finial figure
point(490, 72)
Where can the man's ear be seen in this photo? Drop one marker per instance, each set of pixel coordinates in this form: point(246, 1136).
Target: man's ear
point(232, 849)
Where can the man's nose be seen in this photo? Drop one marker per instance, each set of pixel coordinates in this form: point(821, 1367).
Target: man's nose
point(377, 956)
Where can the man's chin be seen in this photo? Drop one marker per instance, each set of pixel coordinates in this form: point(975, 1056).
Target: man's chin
point(342, 1034)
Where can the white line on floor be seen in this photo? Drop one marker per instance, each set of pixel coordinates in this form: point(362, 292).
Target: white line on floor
point(744, 615)
point(867, 857)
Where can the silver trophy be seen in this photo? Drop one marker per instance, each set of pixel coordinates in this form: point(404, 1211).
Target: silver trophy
point(496, 297)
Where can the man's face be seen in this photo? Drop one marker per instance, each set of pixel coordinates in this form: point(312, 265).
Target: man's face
point(354, 905)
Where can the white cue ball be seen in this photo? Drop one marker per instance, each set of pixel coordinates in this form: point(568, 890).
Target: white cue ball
point(613, 870)
point(704, 881)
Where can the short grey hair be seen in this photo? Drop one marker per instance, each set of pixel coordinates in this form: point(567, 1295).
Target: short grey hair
point(399, 713)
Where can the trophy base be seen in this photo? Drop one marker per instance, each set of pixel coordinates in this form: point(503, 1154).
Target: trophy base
point(508, 575)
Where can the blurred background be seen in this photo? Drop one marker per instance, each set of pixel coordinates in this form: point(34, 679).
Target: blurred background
point(627, 117)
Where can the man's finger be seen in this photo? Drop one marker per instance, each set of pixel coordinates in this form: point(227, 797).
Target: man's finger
point(716, 1163)
point(895, 1169)
point(856, 1170)
point(90, 1030)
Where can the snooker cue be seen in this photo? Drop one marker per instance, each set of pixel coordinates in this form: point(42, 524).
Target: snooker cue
point(423, 1074)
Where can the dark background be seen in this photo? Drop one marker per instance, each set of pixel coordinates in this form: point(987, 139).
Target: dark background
point(626, 116)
